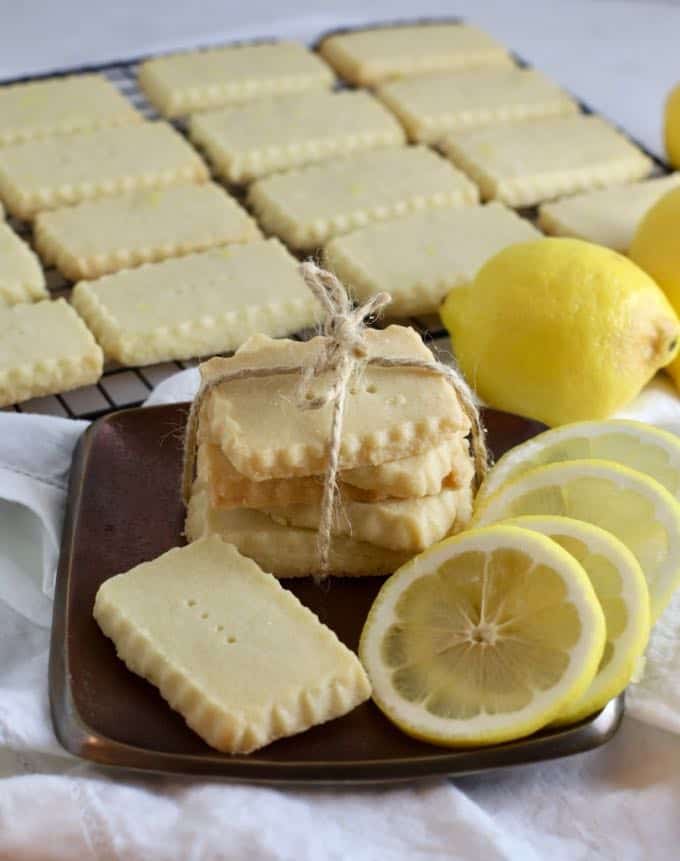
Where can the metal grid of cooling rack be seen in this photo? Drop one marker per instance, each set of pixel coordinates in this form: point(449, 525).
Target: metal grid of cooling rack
point(123, 386)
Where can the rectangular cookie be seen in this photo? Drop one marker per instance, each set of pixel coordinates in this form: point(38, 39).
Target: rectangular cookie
point(267, 135)
point(185, 622)
point(430, 106)
point(61, 171)
point(45, 348)
point(369, 57)
point(390, 413)
point(444, 466)
point(286, 551)
point(181, 83)
point(527, 163)
point(21, 278)
point(410, 525)
point(419, 258)
point(144, 226)
point(309, 206)
point(59, 106)
point(196, 305)
point(609, 216)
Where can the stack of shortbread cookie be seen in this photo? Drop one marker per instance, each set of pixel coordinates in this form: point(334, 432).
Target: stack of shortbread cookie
point(405, 478)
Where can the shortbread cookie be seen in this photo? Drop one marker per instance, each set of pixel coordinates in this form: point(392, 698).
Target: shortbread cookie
point(410, 525)
point(59, 106)
point(60, 171)
point(181, 83)
point(286, 551)
point(21, 278)
point(45, 348)
point(268, 135)
point(309, 206)
point(368, 57)
point(430, 106)
point(607, 217)
point(229, 489)
point(446, 465)
point(389, 414)
point(185, 622)
point(418, 259)
point(527, 163)
point(103, 236)
point(196, 305)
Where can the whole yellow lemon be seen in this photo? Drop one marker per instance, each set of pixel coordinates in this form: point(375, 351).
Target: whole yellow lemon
point(672, 127)
point(560, 330)
point(656, 249)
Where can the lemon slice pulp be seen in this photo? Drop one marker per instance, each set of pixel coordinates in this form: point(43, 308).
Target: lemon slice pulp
point(483, 638)
point(634, 444)
point(621, 589)
point(633, 507)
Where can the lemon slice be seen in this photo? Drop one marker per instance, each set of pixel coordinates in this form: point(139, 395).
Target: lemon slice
point(621, 589)
point(483, 638)
point(634, 508)
point(635, 444)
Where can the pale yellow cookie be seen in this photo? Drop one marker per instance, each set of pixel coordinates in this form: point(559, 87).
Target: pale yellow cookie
point(236, 654)
point(607, 217)
point(390, 413)
point(180, 83)
point(447, 465)
point(60, 171)
point(283, 550)
point(267, 135)
point(45, 348)
point(58, 106)
point(430, 106)
point(21, 278)
point(409, 525)
point(196, 305)
point(369, 57)
point(418, 259)
point(309, 206)
point(526, 163)
point(229, 489)
point(103, 236)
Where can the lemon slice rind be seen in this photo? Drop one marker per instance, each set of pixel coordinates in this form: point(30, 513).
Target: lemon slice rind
point(652, 451)
point(629, 644)
point(662, 577)
point(584, 656)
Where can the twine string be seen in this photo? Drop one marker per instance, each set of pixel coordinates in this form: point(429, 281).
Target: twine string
point(344, 355)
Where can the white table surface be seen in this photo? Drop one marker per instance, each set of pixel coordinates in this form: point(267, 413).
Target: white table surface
point(622, 57)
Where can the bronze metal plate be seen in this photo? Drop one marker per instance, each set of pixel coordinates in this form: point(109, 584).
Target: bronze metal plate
point(123, 509)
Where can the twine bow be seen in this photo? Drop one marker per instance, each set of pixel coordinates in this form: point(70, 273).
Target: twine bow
point(343, 327)
point(344, 356)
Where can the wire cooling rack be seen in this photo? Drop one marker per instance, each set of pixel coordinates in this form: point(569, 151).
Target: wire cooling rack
point(124, 386)
point(128, 387)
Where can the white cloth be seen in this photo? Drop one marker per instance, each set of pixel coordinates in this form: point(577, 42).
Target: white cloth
point(617, 802)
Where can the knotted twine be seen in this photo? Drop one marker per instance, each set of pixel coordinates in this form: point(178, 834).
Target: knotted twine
point(342, 359)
